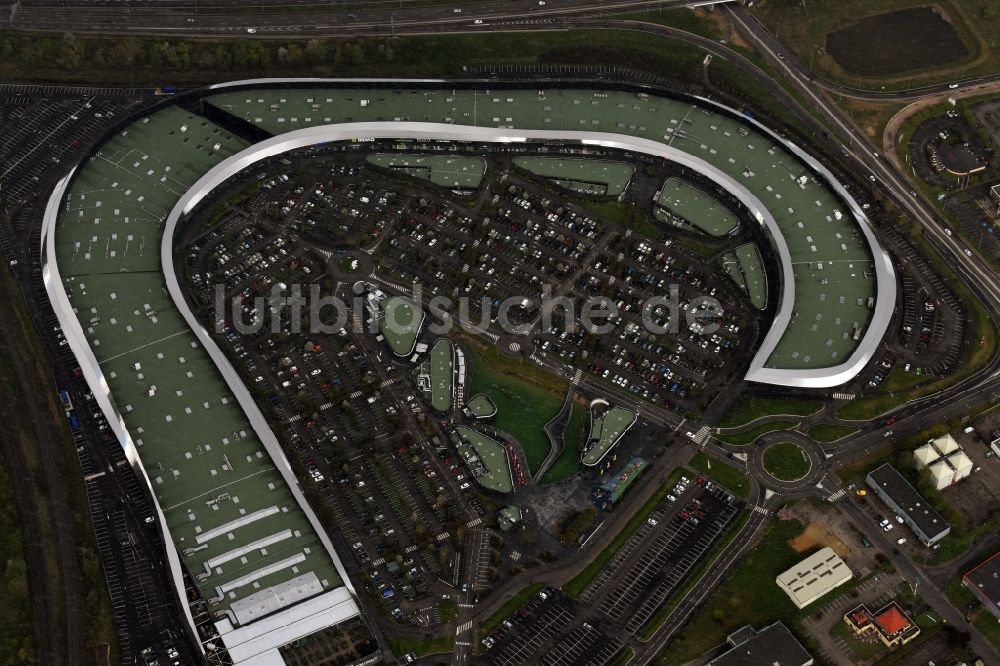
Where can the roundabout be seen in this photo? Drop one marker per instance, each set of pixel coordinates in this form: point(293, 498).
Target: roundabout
point(786, 461)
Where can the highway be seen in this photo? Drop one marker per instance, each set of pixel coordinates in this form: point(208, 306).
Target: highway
point(482, 17)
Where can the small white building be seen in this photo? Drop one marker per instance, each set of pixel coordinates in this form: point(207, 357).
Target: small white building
point(944, 461)
point(813, 577)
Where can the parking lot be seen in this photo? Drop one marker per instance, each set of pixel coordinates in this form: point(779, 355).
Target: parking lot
point(640, 579)
point(546, 630)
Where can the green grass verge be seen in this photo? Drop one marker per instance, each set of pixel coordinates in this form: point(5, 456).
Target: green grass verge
point(16, 623)
point(568, 462)
point(579, 583)
point(751, 435)
point(655, 622)
point(421, 646)
point(625, 657)
point(487, 626)
point(751, 407)
point(786, 461)
point(526, 397)
point(750, 596)
point(17, 644)
point(826, 432)
point(732, 479)
point(982, 332)
point(982, 619)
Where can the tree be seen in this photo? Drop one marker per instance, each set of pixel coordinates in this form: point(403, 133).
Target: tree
point(128, 50)
point(315, 53)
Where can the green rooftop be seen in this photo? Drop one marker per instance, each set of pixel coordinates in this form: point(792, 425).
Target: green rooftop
point(589, 176)
point(493, 457)
point(605, 431)
point(481, 406)
point(685, 201)
point(442, 374)
point(400, 323)
point(832, 265)
point(215, 482)
point(454, 171)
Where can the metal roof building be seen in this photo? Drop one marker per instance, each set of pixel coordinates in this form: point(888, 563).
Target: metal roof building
point(773, 645)
point(984, 583)
point(838, 285)
point(225, 494)
point(894, 490)
point(813, 577)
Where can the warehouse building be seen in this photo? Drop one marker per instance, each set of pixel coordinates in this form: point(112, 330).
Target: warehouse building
point(813, 577)
point(944, 461)
point(894, 490)
point(984, 582)
point(771, 645)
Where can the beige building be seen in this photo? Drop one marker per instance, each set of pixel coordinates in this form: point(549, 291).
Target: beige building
point(944, 461)
point(813, 577)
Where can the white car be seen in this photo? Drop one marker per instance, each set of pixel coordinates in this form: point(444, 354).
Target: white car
point(901, 541)
point(251, 31)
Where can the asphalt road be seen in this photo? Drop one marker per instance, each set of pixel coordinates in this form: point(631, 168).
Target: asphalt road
point(491, 16)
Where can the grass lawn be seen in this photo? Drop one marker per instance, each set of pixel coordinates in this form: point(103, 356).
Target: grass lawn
point(422, 646)
point(748, 596)
point(804, 28)
point(751, 435)
point(576, 586)
point(732, 479)
point(786, 461)
point(750, 407)
point(526, 397)
point(826, 432)
point(568, 462)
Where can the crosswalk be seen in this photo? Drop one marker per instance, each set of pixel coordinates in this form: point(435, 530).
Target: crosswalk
point(356, 394)
point(577, 376)
point(761, 510)
point(843, 396)
point(702, 435)
point(386, 384)
point(837, 495)
point(474, 522)
point(462, 628)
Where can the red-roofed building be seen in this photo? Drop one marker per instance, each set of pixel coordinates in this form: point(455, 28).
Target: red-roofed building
point(893, 621)
point(891, 624)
